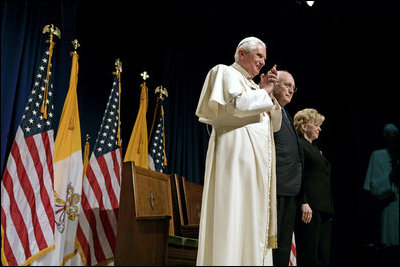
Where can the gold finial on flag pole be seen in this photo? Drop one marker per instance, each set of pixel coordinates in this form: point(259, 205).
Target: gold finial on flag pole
point(144, 75)
point(53, 30)
point(75, 44)
point(162, 90)
point(118, 65)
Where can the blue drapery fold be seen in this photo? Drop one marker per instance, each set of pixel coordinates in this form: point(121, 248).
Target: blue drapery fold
point(22, 23)
point(186, 137)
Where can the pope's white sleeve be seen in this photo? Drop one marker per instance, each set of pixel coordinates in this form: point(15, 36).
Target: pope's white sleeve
point(250, 103)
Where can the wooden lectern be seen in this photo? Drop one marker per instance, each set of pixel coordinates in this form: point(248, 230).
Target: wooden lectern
point(145, 217)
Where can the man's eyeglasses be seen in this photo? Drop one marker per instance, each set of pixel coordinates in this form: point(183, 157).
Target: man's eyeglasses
point(289, 86)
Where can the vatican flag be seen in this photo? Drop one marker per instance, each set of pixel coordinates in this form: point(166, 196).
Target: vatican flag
point(68, 168)
point(137, 149)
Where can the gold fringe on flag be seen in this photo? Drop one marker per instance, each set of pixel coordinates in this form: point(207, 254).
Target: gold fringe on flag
point(86, 156)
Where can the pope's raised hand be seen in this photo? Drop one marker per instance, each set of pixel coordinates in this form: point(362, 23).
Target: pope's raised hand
point(267, 81)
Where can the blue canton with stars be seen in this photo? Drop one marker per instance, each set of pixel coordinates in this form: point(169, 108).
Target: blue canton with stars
point(107, 137)
point(32, 121)
point(156, 145)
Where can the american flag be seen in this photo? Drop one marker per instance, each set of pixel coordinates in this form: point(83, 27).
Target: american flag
point(97, 227)
point(27, 198)
point(293, 259)
point(157, 142)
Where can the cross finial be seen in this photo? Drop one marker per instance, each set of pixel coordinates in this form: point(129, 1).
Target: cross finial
point(75, 44)
point(144, 75)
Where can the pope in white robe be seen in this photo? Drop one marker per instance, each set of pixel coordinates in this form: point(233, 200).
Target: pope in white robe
point(238, 215)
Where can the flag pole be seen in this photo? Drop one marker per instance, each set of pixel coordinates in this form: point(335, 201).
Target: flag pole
point(75, 58)
point(162, 92)
point(52, 30)
point(118, 70)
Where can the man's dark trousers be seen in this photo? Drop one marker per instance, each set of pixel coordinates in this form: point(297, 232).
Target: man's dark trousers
point(286, 208)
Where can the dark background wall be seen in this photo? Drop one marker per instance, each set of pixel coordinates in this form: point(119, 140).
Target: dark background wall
point(342, 56)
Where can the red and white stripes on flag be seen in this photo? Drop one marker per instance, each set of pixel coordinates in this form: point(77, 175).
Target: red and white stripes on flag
point(97, 227)
point(293, 256)
point(27, 197)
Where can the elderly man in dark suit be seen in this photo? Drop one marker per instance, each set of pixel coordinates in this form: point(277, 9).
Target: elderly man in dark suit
point(288, 170)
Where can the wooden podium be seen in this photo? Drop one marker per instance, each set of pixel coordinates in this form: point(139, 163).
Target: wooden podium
point(158, 220)
point(145, 217)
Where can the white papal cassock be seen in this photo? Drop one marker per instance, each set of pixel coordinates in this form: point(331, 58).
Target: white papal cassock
point(238, 216)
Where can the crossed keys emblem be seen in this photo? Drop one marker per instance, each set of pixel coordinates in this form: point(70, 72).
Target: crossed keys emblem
point(69, 207)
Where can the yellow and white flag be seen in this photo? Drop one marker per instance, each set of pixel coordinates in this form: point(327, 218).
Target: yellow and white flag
point(137, 149)
point(68, 168)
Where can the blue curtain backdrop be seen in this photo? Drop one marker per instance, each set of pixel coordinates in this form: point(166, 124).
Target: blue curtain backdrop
point(187, 139)
point(22, 23)
point(98, 28)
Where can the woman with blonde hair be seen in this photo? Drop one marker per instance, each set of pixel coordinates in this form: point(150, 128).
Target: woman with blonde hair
point(313, 229)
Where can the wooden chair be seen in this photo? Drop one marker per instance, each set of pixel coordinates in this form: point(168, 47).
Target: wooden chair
point(193, 194)
point(186, 201)
point(187, 197)
point(145, 217)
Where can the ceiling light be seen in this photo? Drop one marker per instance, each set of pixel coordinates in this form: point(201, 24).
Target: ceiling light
point(310, 3)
